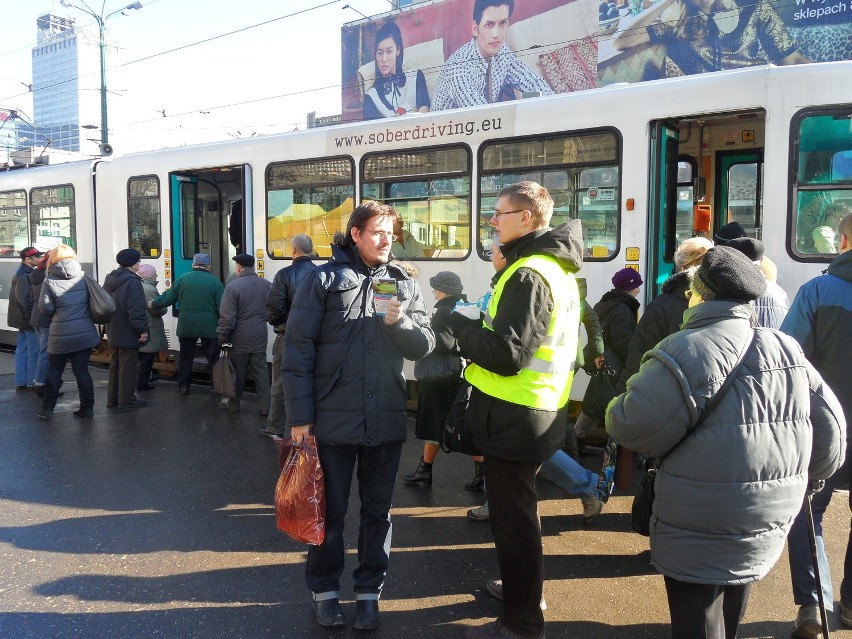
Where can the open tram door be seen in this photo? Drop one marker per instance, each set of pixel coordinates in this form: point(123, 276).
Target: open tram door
point(210, 213)
point(663, 206)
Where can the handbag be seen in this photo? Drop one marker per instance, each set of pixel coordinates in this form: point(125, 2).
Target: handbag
point(224, 376)
point(439, 368)
point(643, 503)
point(300, 492)
point(600, 392)
point(455, 438)
point(101, 304)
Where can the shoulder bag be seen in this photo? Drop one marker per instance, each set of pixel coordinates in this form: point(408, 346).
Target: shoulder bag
point(455, 438)
point(101, 304)
point(437, 368)
point(643, 502)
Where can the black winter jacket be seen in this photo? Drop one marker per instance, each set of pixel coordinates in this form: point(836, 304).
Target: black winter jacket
point(21, 299)
point(499, 428)
point(130, 319)
point(286, 282)
point(342, 365)
point(38, 319)
point(618, 312)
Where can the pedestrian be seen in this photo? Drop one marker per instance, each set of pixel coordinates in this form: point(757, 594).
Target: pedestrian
point(198, 294)
point(279, 301)
point(436, 397)
point(771, 307)
point(127, 330)
point(19, 314)
point(820, 319)
point(41, 323)
point(726, 491)
point(344, 384)
point(618, 311)
point(73, 334)
point(242, 329)
point(157, 340)
point(522, 358)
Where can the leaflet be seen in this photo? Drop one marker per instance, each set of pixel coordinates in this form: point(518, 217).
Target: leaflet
point(384, 290)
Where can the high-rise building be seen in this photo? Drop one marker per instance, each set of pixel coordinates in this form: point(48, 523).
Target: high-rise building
point(66, 83)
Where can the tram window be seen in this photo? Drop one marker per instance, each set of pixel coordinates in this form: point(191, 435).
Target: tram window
point(14, 234)
point(431, 192)
point(52, 216)
point(581, 172)
point(822, 191)
point(143, 215)
point(743, 191)
point(686, 172)
point(314, 198)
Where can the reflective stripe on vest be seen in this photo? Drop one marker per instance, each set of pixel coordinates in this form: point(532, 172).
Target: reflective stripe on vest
point(545, 382)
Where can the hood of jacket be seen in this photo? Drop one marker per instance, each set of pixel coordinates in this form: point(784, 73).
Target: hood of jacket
point(66, 269)
point(841, 266)
point(614, 298)
point(565, 243)
point(118, 278)
point(37, 276)
point(677, 284)
point(710, 312)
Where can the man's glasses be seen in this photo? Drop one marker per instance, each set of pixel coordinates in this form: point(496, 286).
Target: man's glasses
point(499, 214)
point(382, 235)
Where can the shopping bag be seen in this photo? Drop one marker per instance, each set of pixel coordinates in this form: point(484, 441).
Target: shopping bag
point(600, 392)
point(643, 503)
point(455, 437)
point(300, 493)
point(224, 375)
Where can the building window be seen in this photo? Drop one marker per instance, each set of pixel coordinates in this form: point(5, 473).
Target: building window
point(143, 215)
point(14, 234)
point(52, 216)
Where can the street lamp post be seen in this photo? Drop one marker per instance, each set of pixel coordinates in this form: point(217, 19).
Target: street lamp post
point(101, 20)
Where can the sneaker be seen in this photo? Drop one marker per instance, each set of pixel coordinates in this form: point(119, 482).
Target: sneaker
point(495, 589)
point(592, 507)
point(478, 514)
point(846, 615)
point(808, 622)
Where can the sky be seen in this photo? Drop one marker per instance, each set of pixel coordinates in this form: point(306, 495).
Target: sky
point(182, 76)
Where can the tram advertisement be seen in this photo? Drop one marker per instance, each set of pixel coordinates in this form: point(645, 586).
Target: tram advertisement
point(455, 53)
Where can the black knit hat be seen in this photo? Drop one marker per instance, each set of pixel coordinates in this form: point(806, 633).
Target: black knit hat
point(748, 246)
point(730, 275)
point(128, 257)
point(731, 231)
point(447, 282)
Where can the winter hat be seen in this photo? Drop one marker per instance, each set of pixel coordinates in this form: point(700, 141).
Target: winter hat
point(201, 259)
point(729, 275)
point(691, 250)
point(147, 272)
point(244, 259)
point(748, 246)
point(627, 279)
point(730, 231)
point(447, 282)
point(128, 257)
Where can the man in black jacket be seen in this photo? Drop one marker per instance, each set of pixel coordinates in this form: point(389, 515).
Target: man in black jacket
point(279, 300)
point(20, 309)
point(127, 330)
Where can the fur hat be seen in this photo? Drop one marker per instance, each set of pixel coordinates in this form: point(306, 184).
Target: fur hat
point(729, 275)
point(691, 250)
point(244, 259)
point(748, 246)
point(731, 231)
point(447, 282)
point(128, 257)
point(626, 279)
point(201, 259)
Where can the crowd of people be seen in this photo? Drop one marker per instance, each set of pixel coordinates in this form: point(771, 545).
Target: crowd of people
point(736, 394)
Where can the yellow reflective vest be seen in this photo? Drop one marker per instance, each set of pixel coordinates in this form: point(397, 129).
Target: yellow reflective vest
point(545, 382)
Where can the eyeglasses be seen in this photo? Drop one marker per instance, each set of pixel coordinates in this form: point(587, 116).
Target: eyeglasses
point(382, 235)
point(499, 214)
point(688, 293)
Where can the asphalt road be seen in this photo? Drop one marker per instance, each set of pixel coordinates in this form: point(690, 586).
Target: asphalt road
point(160, 523)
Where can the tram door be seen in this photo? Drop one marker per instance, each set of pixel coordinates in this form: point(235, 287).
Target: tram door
point(739, 190)
point(662, 212)
point(186, 229)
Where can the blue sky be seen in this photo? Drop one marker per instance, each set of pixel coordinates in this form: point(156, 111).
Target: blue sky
point(275, 73)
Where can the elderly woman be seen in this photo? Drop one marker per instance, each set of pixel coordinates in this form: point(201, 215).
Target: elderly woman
point(727, 491)
point(158, 340)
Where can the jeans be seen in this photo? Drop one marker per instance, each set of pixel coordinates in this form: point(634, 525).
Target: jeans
point(80, 367)
point(799, 548)
point(26, 358)
point(255, 363)
point(377, 467)
point(705, 611)
point(210, 346)
point(513, 510)
point(43, 333)
point(574, 479)
point(277, 417)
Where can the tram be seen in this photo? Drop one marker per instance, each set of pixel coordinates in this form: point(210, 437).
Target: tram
point(643, 166)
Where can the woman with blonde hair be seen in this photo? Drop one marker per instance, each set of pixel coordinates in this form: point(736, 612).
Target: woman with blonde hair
point(65, 298)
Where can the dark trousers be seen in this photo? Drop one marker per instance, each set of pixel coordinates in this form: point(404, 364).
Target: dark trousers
point(705, 611)
point(123, 373)
point(254, 363)
point(80, 367)
point(210, 346)
point(277, 415)
point(146, 365)
point(513, 509)
point(376, 468)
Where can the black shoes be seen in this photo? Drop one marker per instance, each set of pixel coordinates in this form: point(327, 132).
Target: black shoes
point(84, 413)
point(269, 431)
point(366, 614)
point(328, 613)
point(146, 387)
point(183, 391)
point(423, 475)
point(478, 482)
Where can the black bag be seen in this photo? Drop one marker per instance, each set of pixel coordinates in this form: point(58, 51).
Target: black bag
point(224, 376)
point(643, 502)
point(101, 304)
point(439, 368)
point(455, 437)
point(600, 392)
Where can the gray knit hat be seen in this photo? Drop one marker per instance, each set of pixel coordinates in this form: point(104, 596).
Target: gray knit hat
point(730, 275)
point(447, 282)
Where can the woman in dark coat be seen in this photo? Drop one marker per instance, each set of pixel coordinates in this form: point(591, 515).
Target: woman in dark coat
point(436, 398)
point(73, 334)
